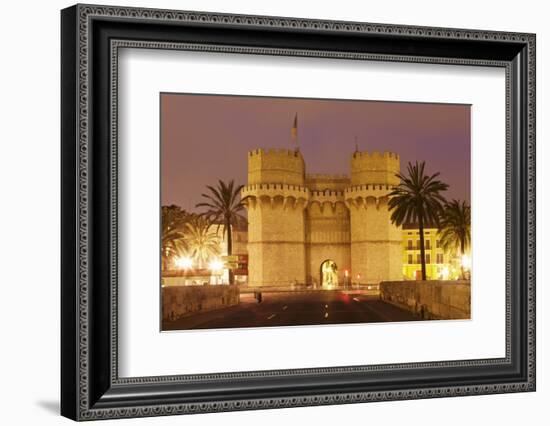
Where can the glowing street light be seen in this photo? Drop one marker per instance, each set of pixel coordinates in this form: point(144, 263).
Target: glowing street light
point(466, 261)
point(445, 273)
point(215, 265)
point(346, 277)
point(184, 262)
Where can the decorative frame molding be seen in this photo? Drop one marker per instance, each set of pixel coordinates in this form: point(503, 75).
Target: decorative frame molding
point(91, 37)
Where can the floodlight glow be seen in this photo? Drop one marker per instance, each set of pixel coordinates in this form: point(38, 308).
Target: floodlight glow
point(215, 265)
point(466, 261)
point(184, 262)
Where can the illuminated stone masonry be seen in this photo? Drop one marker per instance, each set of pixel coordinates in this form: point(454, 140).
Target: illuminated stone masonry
point(301, 226)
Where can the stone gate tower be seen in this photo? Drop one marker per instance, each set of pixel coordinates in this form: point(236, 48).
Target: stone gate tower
point(375, 243)
point(298, 222)
point(276, 199)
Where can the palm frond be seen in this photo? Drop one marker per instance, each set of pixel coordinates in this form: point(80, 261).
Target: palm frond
point(418, 196)
point(454, 226)
point(417, 200)
point(173, 221)
point(223, 206)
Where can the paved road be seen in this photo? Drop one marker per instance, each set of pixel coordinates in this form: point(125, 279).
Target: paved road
point(296, 308)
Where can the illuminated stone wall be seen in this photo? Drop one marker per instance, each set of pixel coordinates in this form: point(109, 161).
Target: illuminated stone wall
point(430, 299)
point(276, 249)
point(374, 168)
point(275, 166)
point(179, 301)
point(327, 234)
point(297, 221)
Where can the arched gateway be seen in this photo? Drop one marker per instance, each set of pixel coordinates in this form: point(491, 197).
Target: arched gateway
point(329, 274)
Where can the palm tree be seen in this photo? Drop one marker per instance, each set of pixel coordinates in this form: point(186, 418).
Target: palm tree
point(454, 228)
point(417, 200)
point(202, 243)
point(224, 206)
point(173, 220)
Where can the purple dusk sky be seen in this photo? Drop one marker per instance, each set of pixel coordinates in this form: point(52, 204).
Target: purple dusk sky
point(206, 137)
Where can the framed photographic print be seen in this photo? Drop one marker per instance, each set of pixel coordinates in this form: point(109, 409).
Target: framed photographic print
point(263, 212)
point(311, 248)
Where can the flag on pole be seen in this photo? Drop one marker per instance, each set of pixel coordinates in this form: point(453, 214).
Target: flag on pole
point(294, 130)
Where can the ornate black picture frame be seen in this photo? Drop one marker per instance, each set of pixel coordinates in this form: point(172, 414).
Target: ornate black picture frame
point(91, 387)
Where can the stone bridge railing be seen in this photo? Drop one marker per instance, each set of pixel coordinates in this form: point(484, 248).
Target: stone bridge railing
point(180, 301)
point(430, 299)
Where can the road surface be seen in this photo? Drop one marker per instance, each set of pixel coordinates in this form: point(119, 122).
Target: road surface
point(296, 308)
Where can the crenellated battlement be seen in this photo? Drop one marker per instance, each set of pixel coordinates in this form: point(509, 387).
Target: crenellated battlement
point(274, 195)
point(361, 193)
point(375, 155)
point(327, 193)
point(274, 152)
point(274, 187)
point(369, 187)
point(323, 198)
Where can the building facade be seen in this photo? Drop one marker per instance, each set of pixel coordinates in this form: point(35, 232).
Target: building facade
point(439, 264)
point(321, 229)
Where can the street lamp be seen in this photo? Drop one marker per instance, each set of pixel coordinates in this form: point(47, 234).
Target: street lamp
point(184, 262)
point(346, 277)
point(216, 267)
point(466, 265)
point(466, 261)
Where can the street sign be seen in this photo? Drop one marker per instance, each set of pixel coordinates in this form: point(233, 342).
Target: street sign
point(233, 258)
